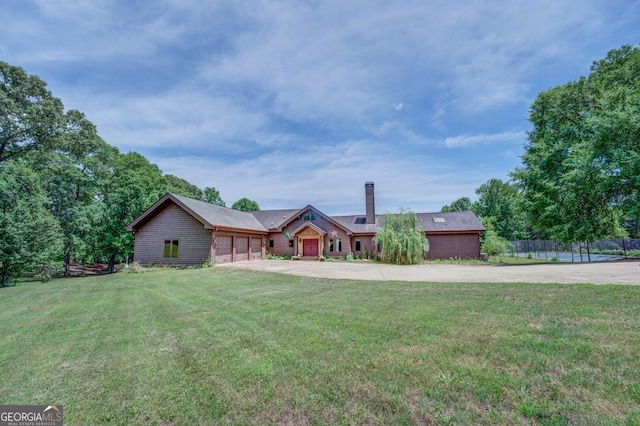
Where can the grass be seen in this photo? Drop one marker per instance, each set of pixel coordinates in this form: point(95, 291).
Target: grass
point(222, 346)
point(513, 260)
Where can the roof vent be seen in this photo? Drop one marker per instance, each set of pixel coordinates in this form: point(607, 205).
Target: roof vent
point(439, 220)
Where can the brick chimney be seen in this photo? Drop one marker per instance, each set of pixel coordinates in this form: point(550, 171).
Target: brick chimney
point(371, 204)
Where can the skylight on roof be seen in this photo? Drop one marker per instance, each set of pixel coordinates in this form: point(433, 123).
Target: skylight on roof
point(439, 220)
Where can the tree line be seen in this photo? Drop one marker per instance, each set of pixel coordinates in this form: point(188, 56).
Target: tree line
point(66, 195)
point(580, 173)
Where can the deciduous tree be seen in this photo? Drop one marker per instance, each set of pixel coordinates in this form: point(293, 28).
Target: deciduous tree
point(29, 234)
point(182, 187)
point(499, 203)
point(211, 195)
point(581, 167)
point(30, 116)
point(460, 205)
point(135, 184)
point(245, 205)
point(401, 238)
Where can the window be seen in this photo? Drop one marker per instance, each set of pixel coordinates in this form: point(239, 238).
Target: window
point(290, 243)
point(338, 245)
point(358, 247)
point(270, 243)
point(439, 220)
point(170, 248)
point(331, 246)
point(310, 216)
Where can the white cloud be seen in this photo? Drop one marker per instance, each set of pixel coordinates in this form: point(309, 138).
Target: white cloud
point(484, 139)
point(299, 101)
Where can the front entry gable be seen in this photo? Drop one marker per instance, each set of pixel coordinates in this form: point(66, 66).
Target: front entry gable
point(309, 239)
point(312, 215)
point(308, 229)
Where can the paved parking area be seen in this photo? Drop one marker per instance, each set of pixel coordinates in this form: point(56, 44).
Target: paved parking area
point(622, 272)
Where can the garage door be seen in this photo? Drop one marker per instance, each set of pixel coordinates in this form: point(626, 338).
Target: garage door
point(256, 248)
point(223, 249)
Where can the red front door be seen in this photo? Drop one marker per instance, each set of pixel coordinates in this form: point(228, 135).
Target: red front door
point(310, 248)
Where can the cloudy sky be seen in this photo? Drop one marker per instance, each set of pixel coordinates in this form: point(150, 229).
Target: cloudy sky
point(292, 103)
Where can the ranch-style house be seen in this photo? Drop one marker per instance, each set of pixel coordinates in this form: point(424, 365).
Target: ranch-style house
point(178, 230)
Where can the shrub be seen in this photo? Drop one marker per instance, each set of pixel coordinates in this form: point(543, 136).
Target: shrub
point(133, 268)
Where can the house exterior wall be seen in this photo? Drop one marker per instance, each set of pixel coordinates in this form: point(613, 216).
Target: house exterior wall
point(280, 244)
point(341, 235)
point(445, 246)
point(172, 223)
point(366, 245)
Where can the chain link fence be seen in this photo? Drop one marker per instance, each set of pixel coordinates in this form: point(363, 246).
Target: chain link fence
point(551, 250)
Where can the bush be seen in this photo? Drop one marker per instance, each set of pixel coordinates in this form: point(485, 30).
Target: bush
point(133, 268)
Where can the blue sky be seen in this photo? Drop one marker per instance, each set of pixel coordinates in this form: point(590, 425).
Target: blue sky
point(292, 103)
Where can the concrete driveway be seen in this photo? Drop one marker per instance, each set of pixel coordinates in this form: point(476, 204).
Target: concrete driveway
point(623, 272)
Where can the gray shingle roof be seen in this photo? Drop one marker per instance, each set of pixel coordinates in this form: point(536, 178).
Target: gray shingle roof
point(221, 216)
point(272, 219)
point(264, 220)
point(356, 223)
point(209, 214)
point(451, 222)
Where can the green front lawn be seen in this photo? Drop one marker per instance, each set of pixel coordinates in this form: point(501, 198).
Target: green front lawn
point(222, 346)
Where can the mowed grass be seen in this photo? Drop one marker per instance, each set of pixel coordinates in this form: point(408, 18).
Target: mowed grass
point(222, 346)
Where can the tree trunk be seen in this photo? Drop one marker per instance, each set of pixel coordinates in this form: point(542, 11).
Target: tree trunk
point(67, 264)
point(112, 264)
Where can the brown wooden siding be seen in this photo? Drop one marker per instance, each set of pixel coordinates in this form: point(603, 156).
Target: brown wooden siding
point(172, 223)
point(461, 246)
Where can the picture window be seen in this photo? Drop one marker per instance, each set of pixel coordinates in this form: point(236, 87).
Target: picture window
point(171, 248)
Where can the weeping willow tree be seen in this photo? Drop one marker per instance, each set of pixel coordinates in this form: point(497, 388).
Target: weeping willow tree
point(401, 238)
